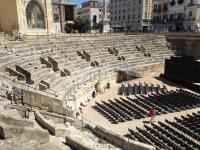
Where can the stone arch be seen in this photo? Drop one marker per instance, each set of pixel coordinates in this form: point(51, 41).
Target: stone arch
point(35, 15)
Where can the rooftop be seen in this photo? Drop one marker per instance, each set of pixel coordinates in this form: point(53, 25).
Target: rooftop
point(64, 2)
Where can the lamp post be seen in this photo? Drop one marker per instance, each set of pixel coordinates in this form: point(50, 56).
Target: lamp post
point(104, 15)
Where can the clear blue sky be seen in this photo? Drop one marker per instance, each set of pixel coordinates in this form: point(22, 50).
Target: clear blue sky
point(79, 1)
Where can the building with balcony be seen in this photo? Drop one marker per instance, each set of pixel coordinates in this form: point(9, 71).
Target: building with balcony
point(131, 15)
point(160, 15)
point(176, 15)
point(96, 12)
point(192, 15)
point(64, 12)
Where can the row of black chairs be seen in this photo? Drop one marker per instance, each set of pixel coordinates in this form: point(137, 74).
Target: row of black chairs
point(169, 134)
point(126, 109)
point(140, 89)
point(173, 101)
point(191, 121)
point(119, 110)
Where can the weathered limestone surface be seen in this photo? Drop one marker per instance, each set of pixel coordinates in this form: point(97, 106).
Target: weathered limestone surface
point(185, 43)
point(13, 17)
point(54, 129)
point(43, 101)
point(21, 129)
point(85, 140)
point(51, 145)
point(119, 141)
point(76, 144)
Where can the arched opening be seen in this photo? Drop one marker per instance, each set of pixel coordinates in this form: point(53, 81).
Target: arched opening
point(35, 16)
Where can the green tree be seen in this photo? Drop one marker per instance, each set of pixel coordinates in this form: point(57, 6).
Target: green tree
point(81, 24)
point(69, 28)
point(95, 26)
point(101, 26)
point(98, 26)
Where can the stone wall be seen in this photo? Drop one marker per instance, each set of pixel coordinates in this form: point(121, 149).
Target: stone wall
point(57, 118)
point(76, 144)
point(13, 17)
point(21, 129)
point(44, 123)
point(38, 100)
point(151, 69)
point(55, 129)
point(117, 140)
point(185, 43)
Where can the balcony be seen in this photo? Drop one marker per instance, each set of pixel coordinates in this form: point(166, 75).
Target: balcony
point(165, 7)
point(157, 10)
point(180, 2)
point(175, 20)
point(191, 4)
point(172, 3)
point(190, 18)
point(179, 19)
point(160, 21)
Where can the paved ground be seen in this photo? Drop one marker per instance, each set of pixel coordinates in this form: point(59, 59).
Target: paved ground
point(122, 128)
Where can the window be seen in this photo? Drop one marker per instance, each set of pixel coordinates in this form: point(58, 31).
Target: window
point(35, 15)
point(69, 13)
point(190, 14)
point(94, 19)
point(133, 17)
point(139, 16)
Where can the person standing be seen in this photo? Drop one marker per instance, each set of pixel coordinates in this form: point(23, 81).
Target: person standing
point(153, 113)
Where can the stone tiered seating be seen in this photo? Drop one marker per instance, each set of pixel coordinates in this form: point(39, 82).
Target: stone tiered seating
point(182, 133)
point(52, 63)
point(139, 107)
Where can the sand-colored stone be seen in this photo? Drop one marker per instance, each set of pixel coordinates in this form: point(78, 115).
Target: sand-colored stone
point(13, 17)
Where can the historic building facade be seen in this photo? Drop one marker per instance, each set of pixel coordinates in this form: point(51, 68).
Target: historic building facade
point(96, 12)
point(192, 15)
point(64, 12)
point(131, 15)
point(26, 16)
point(160, 15)
point(176, 15)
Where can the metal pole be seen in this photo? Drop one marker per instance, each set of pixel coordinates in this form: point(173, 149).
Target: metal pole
point(90, 75)
point(75, 105)
point(82, 121)
point(84, 78)
point(128, 143)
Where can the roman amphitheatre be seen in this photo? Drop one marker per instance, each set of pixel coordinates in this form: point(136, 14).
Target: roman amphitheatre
point(95, 91)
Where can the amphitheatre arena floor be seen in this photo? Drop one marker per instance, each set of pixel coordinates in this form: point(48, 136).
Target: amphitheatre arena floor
point(96, 118)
